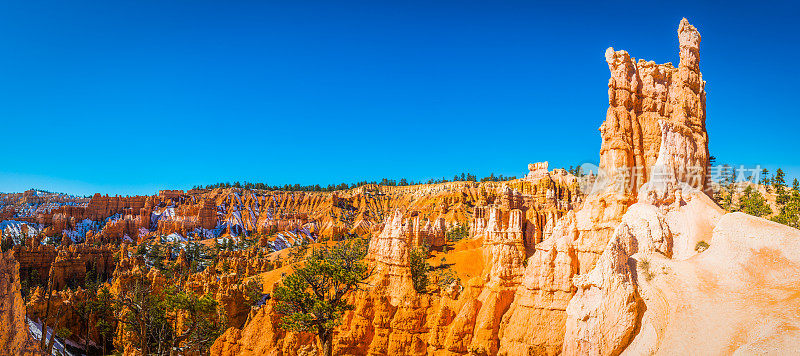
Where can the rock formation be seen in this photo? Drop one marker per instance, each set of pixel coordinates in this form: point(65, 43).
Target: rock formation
point(656, 117)
point(544, 268)
point(645, 99)
point(537, 170)
point(14, 337)
point(655, 128)
point(649, 293)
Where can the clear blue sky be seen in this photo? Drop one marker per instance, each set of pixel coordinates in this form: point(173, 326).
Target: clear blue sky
point(128, 97)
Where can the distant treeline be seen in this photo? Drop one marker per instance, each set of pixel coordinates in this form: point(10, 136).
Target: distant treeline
point(464, 177)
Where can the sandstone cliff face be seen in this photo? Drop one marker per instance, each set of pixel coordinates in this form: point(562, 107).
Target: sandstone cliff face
point(541, 198)
point(390, 317)
point(656, 118)
point(534, 322)
point(65, 265)
point(504, 245)
point(641, 95)
point(603, 315)
point(732, 298)
point(470, 321)
point(647, 296)
point(649, 293)
point(14, 337)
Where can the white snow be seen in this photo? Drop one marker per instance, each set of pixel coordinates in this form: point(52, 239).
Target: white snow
point(175, 237)
point(59, 348)
point(288, 239)
point(78, 234)
point(14, 228)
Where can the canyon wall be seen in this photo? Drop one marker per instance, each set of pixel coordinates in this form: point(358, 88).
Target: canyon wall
point(536, 266)
point(390, 316)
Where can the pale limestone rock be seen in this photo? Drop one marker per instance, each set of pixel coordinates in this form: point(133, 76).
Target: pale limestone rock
point(603, 314)
point(736, 297)
point(537, 170)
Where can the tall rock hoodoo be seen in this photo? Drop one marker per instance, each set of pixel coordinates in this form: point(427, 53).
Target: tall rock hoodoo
point(656, 117)
point(14, 336)
point(647, 99)
point(651, 291)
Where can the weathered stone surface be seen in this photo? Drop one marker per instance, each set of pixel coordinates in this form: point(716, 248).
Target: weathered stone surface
point(641, 95)
point(603, 314)
point(656, 117)
point(14, 336)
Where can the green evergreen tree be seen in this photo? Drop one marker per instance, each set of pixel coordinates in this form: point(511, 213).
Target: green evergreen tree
point(156, 256)
point(419, 268)
point(141, 250)
point(751, 202)
point(727, 201)
point(313, 297)
point(194, 311)
point(764, 177)
point(103, 310)
point(779, 184)
point(7, 242)
point(765, 181)
point(789, 213)
point(457, 233)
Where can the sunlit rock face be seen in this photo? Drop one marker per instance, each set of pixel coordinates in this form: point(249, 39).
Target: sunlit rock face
point(656, 118)
point(14, 336)
point(650, 292)
point(641, 94)
point(616, 274)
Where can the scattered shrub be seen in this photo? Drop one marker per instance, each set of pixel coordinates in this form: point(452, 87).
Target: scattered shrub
point(419, 268)
point(457, 233)
point(445, 277)
point(644, 265)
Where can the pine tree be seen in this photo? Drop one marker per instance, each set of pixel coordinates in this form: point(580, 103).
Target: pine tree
point(779, 184)
point(7, 243)
point(765, 181)
point(790, 212)
point(419, 268)
point(102, 308)
point(751, 202)
point(313, 297)
point(727, 201)
point(156, 256)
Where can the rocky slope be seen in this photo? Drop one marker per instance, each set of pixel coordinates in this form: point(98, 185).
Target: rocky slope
point(391, 317)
